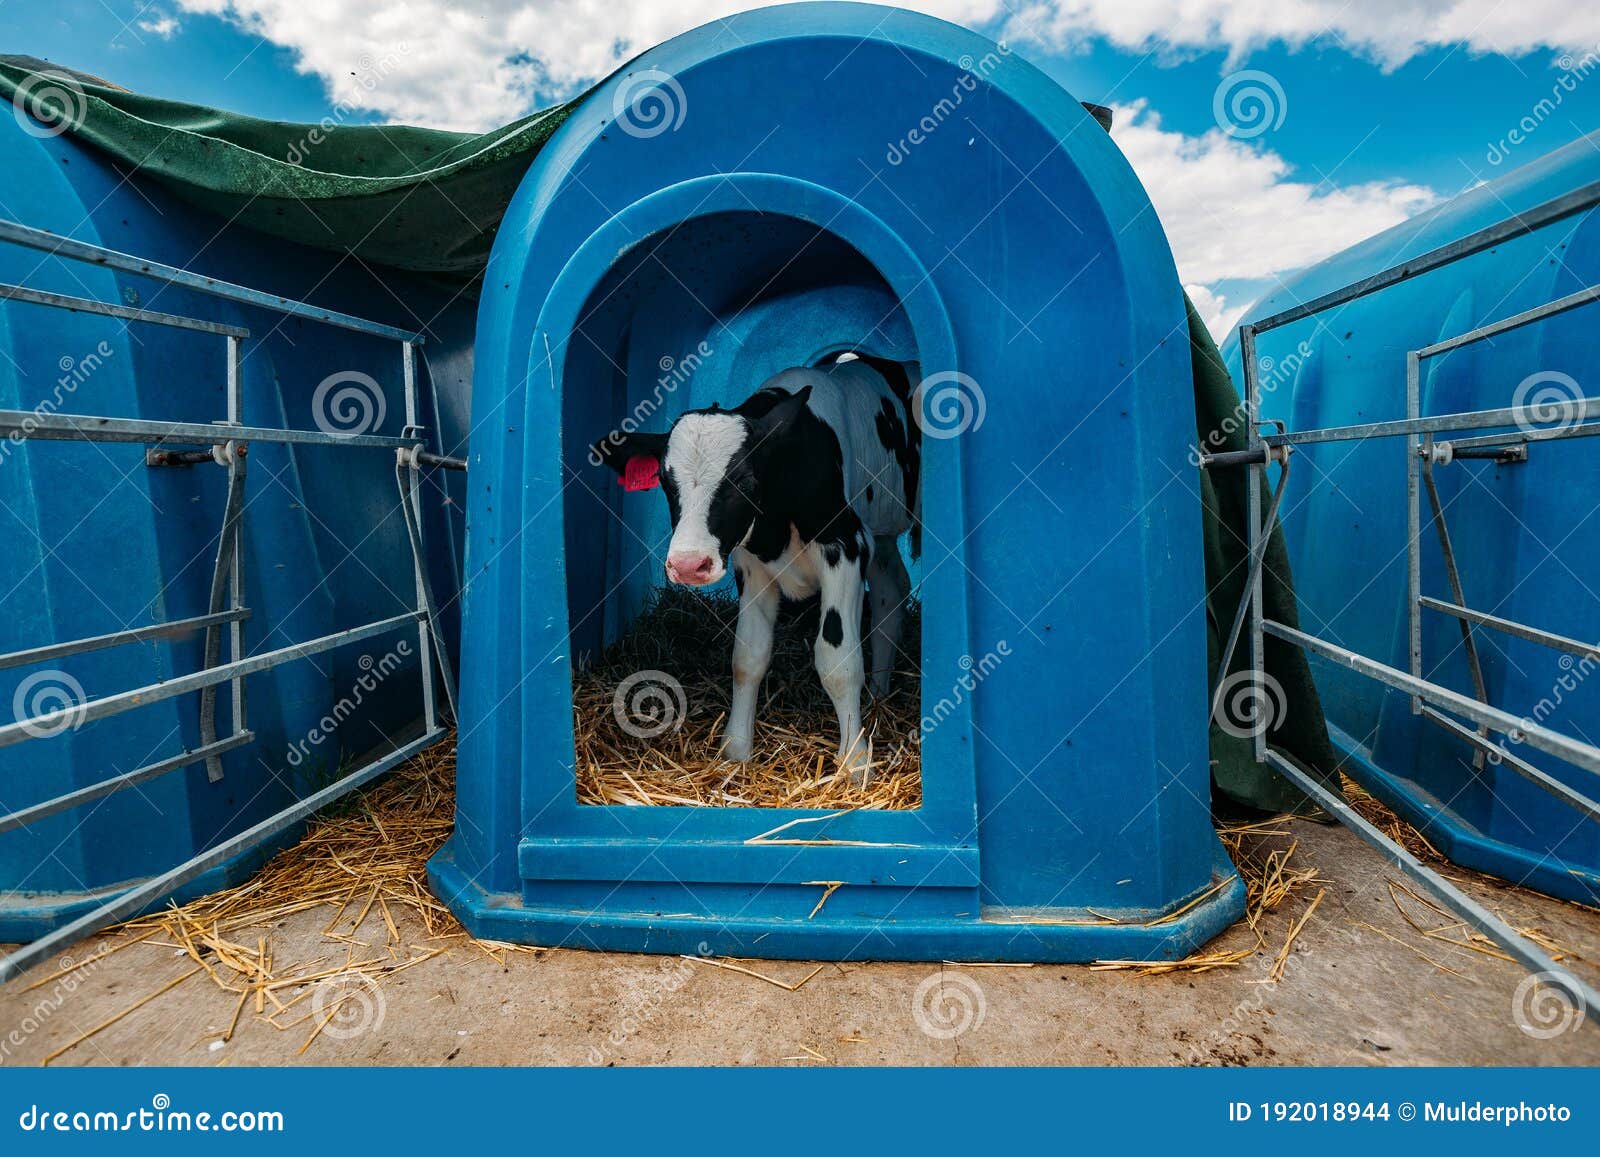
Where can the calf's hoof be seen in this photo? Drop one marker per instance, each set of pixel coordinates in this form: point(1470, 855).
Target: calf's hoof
point(856, 764)
point(736, 748)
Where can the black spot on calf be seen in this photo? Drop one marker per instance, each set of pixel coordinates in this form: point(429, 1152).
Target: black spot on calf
point(832, 627)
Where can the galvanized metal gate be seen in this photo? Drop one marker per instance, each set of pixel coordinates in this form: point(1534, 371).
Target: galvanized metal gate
point(228, 441)
point(1472, 719)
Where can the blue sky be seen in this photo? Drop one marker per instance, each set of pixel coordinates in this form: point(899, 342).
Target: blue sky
point(1379, 108)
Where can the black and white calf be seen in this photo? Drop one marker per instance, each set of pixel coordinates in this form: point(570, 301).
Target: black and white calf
point(803, 490)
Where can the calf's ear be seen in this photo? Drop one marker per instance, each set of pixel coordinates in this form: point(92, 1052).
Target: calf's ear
point(618, 450)
point(789, 409)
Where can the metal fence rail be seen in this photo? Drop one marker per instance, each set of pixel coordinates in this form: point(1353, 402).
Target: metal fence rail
point(228, 443)
point(1573, 418)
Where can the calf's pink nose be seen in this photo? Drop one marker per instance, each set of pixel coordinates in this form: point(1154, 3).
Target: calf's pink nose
point(689, 568)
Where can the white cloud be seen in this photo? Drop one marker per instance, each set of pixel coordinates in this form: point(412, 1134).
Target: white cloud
point(1391, 31)
point(1232, 210)
point(1218, 313)
point(475, 64)
point(161, 25)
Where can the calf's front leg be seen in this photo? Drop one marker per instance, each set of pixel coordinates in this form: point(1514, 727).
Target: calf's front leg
point(752, 652)
point(838, 656)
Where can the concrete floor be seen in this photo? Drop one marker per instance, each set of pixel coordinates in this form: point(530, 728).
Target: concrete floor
point(1350, 995)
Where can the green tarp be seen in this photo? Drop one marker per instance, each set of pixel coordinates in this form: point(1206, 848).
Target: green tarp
point(430, 201)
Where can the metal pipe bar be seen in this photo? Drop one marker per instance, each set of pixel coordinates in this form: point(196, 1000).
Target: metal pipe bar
point(1524, 951)
point(1502, 231)
point(89, 428)
point(66, 247)
point(1505, 455)
point(24, 729)
point(1255, 542)
point(157, 457)
point(175, 629)
point(1521, 437)
point(1252, 576)
point(1498, 753)
point(1573, 410)
point(1480, 686)
point(139, 898)
point(107, 309)
point(409, 480)
point(1516, 321)
point(1562, 746)
point(426, 600)
point(1413, 527)
point(1556, 642)
point(221, 576)
point(1234, 458)
point(427, 458)
point(83, 795)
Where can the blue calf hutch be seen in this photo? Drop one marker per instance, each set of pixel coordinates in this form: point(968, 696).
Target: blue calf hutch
point(102, 543)
point(766, 192)
point(1517, 505)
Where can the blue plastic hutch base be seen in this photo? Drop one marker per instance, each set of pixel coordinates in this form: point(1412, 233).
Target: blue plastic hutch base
point(26, 917)
point(1459, 840)
point(1057, 936)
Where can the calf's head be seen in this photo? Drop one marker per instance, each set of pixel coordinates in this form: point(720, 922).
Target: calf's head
point(714, 467)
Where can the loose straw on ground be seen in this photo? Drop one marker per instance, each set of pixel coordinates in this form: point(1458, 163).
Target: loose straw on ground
point(664, 749)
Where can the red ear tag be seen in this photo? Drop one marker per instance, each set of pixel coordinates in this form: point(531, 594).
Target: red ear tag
point(641, 473)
